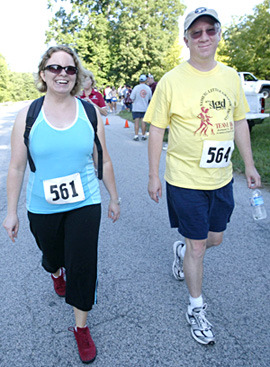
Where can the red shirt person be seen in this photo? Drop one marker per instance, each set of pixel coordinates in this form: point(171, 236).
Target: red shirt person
point(91, 95)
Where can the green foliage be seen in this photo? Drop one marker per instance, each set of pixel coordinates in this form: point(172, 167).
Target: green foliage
point(4, 80)
point(119, 40)
point(260, 142)
point(246, 44)
point(16, 86)
point(23, 87)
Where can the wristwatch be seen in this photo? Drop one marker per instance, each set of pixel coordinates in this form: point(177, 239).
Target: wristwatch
point(116, 201)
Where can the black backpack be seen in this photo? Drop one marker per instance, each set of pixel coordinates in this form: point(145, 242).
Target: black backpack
point(32, 114)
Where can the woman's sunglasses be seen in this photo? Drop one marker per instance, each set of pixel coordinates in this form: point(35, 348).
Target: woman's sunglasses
point(210, 32)
point(57, 69)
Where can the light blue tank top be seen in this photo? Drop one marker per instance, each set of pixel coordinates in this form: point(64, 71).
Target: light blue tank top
point(59, 155)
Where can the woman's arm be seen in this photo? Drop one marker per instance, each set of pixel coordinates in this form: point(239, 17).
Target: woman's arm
point(102, 110)
point(15, 176)
point(108, 173)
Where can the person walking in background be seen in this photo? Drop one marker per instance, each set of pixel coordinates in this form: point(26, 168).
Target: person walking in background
point(140, 96)
point(90, 94)
point(127, 99)
point(198, 173)
point(63, 194)
point(151, 82)
point(108, 97)
point(114, 99)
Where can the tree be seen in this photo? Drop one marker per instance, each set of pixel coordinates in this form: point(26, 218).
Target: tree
point(16, 86)
point(120, 40)
point(23, 87)
point(247, 42)
point(145, 34)
point(4, 80)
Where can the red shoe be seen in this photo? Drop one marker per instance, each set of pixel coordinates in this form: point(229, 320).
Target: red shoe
point(86, 346)
point(60, 284)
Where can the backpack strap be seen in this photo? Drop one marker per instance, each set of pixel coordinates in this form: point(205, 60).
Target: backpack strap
point(31, 117)
point(92, 116)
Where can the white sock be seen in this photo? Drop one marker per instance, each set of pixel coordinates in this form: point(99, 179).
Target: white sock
point(80, 327)
point(58, 275)
point(194, 302)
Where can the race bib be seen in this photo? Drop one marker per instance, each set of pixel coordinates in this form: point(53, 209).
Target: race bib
point(216, 154)
point(64, 190)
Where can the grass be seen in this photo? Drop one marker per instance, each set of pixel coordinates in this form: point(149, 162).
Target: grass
point(128, 116)
point(125, 115)
point(260, 142)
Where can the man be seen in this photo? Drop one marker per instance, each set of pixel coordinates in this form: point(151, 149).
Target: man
point(140, 96)
point(151, 82)
point(203, 103)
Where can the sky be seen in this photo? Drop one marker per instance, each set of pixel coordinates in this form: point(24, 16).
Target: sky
point(23, 24)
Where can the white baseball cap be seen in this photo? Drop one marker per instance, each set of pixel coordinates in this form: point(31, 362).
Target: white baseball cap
point(143, 78)
point(199, 12)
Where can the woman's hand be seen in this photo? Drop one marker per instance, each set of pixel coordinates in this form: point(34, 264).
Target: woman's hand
point(11, 225)
point(114, 210)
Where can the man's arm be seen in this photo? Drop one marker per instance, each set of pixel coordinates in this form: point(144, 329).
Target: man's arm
point(242, 140)
point(155, 142)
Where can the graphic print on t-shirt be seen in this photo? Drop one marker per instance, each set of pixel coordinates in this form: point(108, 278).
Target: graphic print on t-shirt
point(214, 103)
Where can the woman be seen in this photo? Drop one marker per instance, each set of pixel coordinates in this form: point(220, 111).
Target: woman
point(128, 100)
point(114, 99)
point(62, 147)
point(108, 97)
point(91, 95)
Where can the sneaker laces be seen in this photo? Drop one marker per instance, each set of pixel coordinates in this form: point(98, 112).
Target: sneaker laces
point(201, 319)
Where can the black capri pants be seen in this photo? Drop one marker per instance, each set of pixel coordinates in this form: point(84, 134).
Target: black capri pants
point(70, 240)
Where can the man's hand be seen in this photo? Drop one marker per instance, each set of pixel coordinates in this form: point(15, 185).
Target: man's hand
point(253, 178)
point(155, 188)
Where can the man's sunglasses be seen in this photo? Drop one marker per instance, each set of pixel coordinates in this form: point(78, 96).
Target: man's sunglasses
point(210, 32)
point(57, 69)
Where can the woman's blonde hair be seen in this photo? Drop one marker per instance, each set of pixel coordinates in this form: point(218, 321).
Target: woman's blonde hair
point(89, 74)
point(42, 86)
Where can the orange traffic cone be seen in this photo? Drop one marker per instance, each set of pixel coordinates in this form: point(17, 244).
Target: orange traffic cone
point(126, 124)
point(107, 121)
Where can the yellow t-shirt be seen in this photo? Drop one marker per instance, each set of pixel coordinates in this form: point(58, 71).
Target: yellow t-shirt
point(200, 109)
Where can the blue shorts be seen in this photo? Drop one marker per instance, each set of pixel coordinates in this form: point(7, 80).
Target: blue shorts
point(196, 212)
point(138, 115)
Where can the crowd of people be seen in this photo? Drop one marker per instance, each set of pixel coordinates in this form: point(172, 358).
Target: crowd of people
point(111, 95)
point(134, 100)
point(63, 194)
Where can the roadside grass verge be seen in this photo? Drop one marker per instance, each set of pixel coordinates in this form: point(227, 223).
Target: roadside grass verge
point(125, 115)
point(128, 116)
point(260, 142)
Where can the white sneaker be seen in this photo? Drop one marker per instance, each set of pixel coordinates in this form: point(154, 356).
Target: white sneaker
point(201, 329)
point(177, 267)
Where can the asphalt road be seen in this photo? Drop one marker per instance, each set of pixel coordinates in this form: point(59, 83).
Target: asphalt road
point(139, 320)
